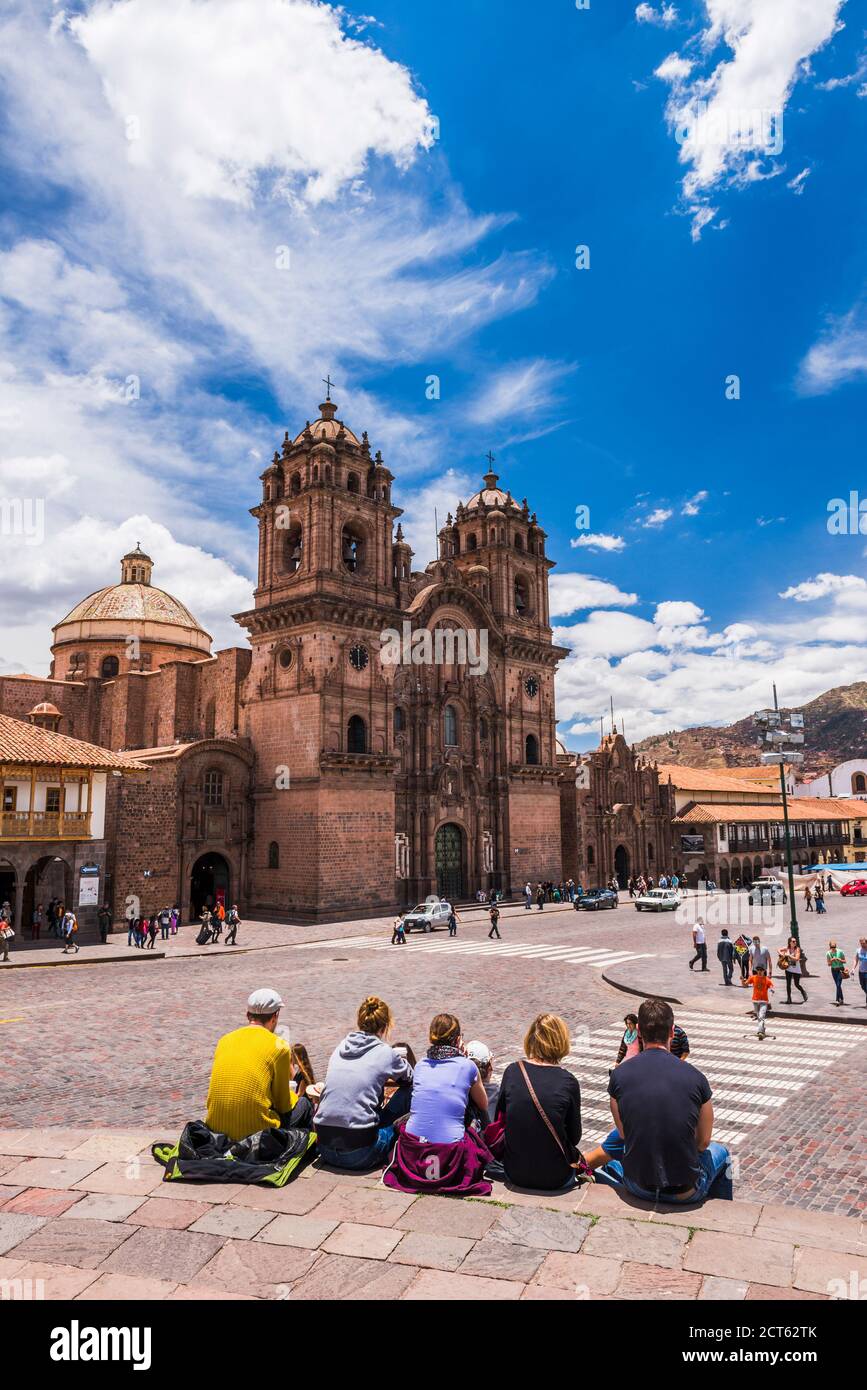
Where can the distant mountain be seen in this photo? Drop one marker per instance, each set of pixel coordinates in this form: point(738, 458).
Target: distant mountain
point(835, 729)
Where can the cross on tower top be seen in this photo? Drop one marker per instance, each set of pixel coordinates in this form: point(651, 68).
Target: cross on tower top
point(327, 383)
point(490, 478)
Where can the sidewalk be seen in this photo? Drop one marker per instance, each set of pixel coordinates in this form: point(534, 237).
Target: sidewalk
point(253, 936)
point(667, 976)
point(84, 1215)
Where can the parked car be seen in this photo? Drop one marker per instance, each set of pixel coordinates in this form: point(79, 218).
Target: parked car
point(658, 900)
point(857, 888)
point(595, 898)
point(428, 916)
point(766, 890)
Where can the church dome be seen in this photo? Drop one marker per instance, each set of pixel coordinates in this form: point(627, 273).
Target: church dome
point(133, 624)
point(492, 496)
point(326, 429)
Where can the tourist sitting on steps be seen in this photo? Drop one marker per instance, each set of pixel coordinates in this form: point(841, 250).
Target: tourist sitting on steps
point(660, 1148)
point(435, 1151)
point(251, 1076)
point(540, 1106)
point(355, 1128)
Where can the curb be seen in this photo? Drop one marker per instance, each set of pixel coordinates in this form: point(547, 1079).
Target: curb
point(70, 964)
point(702, 1008)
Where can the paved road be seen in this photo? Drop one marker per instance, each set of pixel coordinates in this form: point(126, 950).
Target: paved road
point(124, 1045)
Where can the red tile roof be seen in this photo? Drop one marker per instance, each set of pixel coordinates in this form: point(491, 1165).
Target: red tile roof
point(709, 779)
point(28, 744)
point(800, 808)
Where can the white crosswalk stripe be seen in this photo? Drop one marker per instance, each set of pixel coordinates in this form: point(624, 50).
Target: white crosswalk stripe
point(750, 1080)
point(435, 944)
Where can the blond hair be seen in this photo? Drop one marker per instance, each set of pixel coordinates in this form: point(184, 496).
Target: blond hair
point(374, 1015)
point(547, 1039)
point(444, 1029)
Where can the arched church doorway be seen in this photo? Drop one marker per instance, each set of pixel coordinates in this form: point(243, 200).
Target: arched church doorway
point(209, 883)
point(449, 858)
point(50, 877)
point(621, 865)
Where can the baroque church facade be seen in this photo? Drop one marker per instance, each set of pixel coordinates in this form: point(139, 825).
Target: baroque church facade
point(303, 775)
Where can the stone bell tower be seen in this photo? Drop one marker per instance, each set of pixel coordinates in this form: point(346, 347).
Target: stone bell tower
point(317, 705)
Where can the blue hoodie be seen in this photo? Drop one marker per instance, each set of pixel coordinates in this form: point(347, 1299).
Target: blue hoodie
point(357, 1072)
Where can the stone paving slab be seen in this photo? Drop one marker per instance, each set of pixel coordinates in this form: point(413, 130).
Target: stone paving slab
point(356, 1240)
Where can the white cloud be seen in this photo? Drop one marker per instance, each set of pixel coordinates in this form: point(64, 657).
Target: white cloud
point(288, 99)
point(677, 613)
point(158, 265)
point(840, 355)
point(438, 496)
point(797, 183)
point(517, 390)
point(674, 673)
point(674, 69)
point(729, 118)
point(822, 586)
point(664, 16)
point(693, 505)
point(570, 592)
point(658, 517)
point(597, 540)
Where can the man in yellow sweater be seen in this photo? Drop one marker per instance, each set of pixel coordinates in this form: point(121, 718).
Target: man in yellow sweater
point(250, 1087)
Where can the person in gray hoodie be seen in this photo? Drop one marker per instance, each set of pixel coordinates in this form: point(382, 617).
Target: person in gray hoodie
point(354, 1128)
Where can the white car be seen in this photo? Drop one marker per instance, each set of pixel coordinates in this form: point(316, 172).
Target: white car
point(428, 916)
point(767, 890)
point(658, 900)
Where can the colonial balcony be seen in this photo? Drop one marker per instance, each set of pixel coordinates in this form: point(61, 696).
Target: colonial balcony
point(44, 825)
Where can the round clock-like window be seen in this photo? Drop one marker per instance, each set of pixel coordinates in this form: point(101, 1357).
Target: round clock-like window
point(531, 685)
point(286, 657)
point(358, 657)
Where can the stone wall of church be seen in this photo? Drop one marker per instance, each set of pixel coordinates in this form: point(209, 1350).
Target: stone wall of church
point(19, 694)
point(534, 831)
point(142, 812)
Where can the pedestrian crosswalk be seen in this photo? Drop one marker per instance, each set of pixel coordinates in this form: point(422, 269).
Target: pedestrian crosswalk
point(750, 1080)
point(437, 943)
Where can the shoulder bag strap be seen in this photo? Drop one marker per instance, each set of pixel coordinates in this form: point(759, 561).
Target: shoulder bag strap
point(535, 1099)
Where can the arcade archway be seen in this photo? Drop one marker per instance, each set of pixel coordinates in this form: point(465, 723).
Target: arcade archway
point(621, 865)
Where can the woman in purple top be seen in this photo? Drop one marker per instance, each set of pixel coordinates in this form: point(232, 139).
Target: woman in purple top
point(435, 1152)
point(442, 1085)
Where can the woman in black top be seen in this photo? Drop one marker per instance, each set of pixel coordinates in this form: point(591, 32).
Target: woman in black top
point(535, 1156)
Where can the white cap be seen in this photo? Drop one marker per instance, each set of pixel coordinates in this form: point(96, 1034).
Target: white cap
point(264, 1001)
point(480, 1053)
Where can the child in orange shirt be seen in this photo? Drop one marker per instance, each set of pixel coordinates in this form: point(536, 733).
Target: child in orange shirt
point(761, 987)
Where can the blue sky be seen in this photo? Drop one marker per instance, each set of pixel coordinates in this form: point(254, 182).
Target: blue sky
point(157, 153)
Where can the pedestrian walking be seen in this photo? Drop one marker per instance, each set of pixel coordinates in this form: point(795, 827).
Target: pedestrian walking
point(819, 898)
point(151, 932)
point(761, 988)
point(398, 935)
point(233, 922)
point(36, 922)
point(453, 923)
point(70, 927)
point(165, 921)
point(103, 918)
point(176, 917)
point(540, 896)
point(203, 937)
point(528, 898)
point(495, 917)
point(837, 961)
point(699, 940)
point(725, 953)
point(790, 962)
point(6, 930)
point(808, 898)
point(861, 966)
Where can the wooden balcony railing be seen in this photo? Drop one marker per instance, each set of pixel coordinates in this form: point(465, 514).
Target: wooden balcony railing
point(44, 825)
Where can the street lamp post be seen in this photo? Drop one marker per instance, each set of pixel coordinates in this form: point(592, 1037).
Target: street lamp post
point(780, 735)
